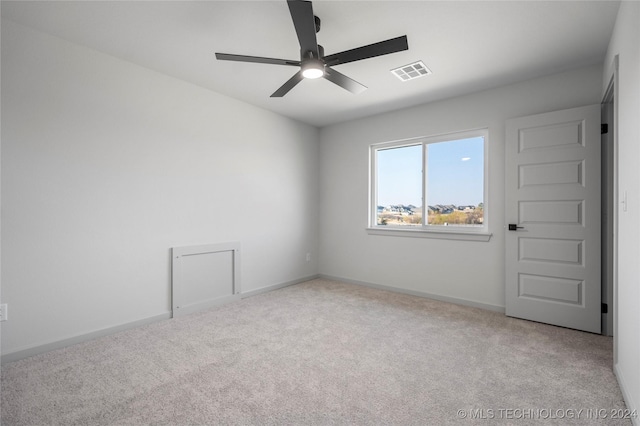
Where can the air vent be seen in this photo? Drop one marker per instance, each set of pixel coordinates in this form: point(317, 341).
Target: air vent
point(411, 71)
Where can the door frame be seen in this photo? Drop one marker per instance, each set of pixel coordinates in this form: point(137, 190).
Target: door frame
point(610, 285)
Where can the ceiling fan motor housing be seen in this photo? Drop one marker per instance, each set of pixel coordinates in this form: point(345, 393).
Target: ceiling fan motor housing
point(308, 54)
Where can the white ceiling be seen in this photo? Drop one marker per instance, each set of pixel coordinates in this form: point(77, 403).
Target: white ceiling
point(469, 45)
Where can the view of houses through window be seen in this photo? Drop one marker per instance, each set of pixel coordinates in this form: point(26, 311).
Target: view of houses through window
point(452, 185)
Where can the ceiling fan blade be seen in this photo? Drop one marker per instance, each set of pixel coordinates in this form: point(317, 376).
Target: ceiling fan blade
point(258, 59)
point(393, 45)
point(284, 89)
point(343, 81)
point(304, 21)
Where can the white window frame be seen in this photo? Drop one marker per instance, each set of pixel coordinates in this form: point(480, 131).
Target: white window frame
point(452, 232)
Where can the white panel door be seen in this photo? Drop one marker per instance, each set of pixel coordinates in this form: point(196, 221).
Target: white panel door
point(553, 198)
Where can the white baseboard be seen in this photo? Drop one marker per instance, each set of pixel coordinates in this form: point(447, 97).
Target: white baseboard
point(39, 349)
point(59, 344)
point(268, 288)
point(455, 300)
point(628, 400)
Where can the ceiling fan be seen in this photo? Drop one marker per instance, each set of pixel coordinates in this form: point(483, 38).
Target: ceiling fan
point(313, 63)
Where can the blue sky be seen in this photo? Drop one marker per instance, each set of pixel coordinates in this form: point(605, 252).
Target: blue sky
point(455, 173)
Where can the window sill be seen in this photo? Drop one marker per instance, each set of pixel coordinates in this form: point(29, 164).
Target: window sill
point(438, 234)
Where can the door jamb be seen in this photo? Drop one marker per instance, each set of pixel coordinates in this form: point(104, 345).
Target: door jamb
point(611, 97)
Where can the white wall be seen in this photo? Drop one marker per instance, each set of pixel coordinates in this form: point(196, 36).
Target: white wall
point(107, 165)
point(463, 270)
point(625, 43)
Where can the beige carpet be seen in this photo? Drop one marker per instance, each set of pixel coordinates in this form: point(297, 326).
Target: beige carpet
point(322, 352)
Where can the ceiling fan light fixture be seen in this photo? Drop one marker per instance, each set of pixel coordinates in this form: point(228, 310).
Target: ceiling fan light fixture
point(312, 68)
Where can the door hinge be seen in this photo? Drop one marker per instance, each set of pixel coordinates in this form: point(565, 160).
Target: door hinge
point(605, 308)
point(604, 128)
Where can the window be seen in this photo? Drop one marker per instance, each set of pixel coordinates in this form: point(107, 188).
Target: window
point(430, 185)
